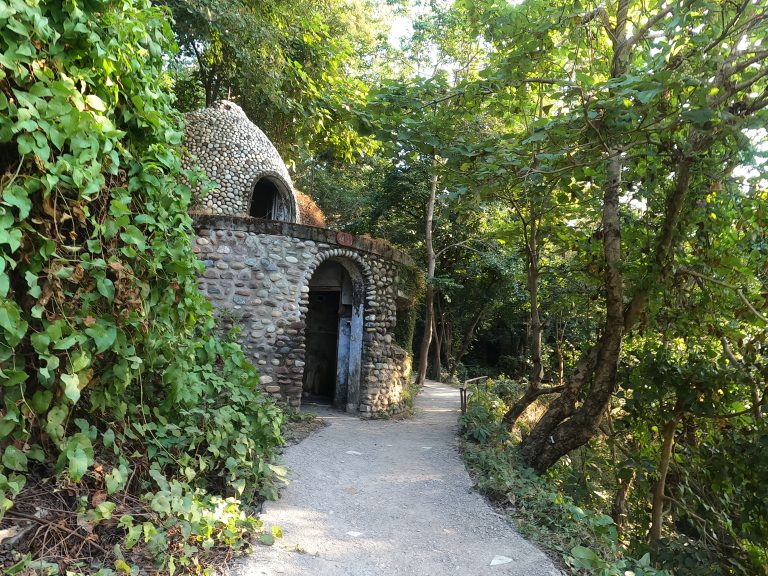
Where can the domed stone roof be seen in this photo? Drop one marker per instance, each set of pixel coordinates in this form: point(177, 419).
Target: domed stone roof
point(251, 177)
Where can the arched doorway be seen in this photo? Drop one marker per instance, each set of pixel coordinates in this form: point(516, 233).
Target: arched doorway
point(334, 335)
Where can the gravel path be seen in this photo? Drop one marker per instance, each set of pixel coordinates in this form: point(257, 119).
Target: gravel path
point(389, 498)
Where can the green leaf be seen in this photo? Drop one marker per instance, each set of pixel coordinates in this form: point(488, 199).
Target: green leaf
point(108, 438)
point(700, 117)
point(66, 343)
point(134, 533)
point(106, 509)
point(71, 387)
point(584, 553)
point(78, 463)
point(267, 539)
point(106, 288)
point(35, 452)
point(134, 236)
point(80, 361)
point(115, 480)
point(41, 400)
point(17, 196)
point(40, 342)
point(13, 377)
point(55, 420)
point(14, 459)
point(103, 335)
point(95, 103)
point(160, 503)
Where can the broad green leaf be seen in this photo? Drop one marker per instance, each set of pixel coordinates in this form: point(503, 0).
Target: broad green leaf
point(103, 335)
point(108, 438)
point(95, 103)
point(14, 459)
point(78, 463)
point(41, 400)
point(134, 236)
point(160, 503)
point(71, 387)
point(106, 288)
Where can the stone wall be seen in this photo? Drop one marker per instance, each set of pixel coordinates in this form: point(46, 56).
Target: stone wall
point(257, 276)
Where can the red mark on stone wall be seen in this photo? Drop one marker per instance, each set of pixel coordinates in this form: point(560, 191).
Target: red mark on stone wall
point(344, 238)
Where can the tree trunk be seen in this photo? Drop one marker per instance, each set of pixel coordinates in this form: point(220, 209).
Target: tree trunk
point(657, 510)
point(429, 314)
point(437, 346)
point(534, 323)
point(537, 371)
point(554, 435)
point(619, 508)
point(465, 342)
point(446, 339)
point(564, 427)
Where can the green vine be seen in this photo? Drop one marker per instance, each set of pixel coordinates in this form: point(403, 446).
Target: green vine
point(110, 376)
point(410, 283)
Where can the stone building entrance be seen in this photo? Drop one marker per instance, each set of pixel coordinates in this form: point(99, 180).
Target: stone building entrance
point(334, 334)
point(317, 308)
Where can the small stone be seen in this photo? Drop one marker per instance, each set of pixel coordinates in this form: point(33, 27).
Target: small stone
point(500, 560)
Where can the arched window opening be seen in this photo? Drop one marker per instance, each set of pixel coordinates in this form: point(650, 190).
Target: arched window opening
point(265, 200)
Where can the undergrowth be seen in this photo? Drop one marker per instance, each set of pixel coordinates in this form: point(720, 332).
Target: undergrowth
point(131, 436)
point(587, 541)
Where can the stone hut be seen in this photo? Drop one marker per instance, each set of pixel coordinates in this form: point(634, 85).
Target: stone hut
point(320, 313)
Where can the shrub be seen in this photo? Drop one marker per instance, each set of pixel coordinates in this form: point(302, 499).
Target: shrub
point(587, 541)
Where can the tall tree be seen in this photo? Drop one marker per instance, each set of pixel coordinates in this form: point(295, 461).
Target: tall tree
point(634, 106)
point(297, 69)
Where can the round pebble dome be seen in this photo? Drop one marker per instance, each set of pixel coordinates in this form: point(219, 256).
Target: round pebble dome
point(235, 154)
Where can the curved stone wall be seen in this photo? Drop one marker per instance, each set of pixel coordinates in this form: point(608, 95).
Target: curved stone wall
point(235, 154)
point(257, 276)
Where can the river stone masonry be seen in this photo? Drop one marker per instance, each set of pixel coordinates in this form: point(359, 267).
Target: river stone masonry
point(235, 154)
point(258, 273)
point(257, 276)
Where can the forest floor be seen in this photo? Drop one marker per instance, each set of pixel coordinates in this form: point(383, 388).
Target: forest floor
point(388, 498)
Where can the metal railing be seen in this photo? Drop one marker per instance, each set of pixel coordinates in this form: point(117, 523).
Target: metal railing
point(463, 392)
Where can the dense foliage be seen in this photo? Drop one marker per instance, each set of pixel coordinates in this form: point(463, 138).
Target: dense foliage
point(588, 540)
point(296, 68)
point(124, 418)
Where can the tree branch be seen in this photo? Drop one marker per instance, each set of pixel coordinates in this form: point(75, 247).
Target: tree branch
point(643, 30)
point(727, 27)
point(719, 282)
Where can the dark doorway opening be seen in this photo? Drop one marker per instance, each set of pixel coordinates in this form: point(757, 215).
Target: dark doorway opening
point(334, 335)
point(264, 200)
point(322, 334)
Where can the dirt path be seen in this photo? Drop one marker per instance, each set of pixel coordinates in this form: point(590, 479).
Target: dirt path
point(389, 498)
